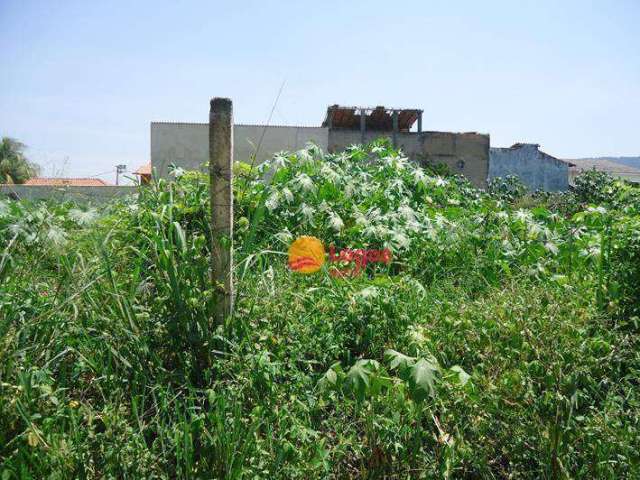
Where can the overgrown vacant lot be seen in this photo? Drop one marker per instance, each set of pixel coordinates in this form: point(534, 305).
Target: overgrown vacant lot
point(501, 342)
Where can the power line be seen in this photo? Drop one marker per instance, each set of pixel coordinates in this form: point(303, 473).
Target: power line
point(100, 174)
point(264, 130)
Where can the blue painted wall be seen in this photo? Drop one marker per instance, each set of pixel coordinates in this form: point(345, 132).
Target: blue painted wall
point(536, 169)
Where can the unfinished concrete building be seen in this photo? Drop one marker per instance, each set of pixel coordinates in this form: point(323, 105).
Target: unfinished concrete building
point(186, 145)
point(464, 154)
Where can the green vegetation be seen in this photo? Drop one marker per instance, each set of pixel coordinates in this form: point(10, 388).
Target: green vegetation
point(509, 188)
point(501, 342)
point(14, 166)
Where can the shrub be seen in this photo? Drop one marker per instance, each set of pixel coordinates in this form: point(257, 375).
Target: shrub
point(595, 187)
point(509, 188)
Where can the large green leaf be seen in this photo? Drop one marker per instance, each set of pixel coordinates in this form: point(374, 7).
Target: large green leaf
point(422, 379)
point(459, 375)
point(332, 377)
point(359, 377)
point(398, 360)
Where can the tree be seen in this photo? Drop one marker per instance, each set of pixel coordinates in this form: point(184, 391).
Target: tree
point(14, 166)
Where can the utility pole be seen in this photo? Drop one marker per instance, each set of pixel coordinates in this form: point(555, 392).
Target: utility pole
point(221, 198)
point(120, 169)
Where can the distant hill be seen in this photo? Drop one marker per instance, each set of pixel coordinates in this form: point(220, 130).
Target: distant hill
point(633, 162)
point(627, 168)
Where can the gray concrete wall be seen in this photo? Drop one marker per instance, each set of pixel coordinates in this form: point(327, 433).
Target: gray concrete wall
point(535, 168)
point(464, 154)
point(187, 144)
point(409, 143)
point(94, 195)
point(341, 139)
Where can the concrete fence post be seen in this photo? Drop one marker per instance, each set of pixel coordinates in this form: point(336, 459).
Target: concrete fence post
point(221, 195)
point(394, 117)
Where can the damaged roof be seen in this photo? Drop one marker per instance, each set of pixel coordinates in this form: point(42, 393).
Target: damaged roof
point(376, 118)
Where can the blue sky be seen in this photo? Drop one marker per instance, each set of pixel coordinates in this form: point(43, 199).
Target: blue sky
point(80, 81)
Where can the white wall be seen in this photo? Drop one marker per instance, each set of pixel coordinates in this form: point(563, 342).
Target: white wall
point(187, 144)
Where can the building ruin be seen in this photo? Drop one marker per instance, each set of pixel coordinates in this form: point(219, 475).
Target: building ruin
point(186, 145)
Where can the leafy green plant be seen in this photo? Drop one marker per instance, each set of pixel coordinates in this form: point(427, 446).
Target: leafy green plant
point(501, 341)
point(509, 188)
point(594, 186)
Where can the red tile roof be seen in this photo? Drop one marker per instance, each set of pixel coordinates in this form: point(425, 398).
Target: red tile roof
point(144, 170)
point(63, 182)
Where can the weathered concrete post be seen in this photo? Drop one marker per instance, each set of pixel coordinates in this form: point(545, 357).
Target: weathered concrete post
point(394, 117)
point(221, 194)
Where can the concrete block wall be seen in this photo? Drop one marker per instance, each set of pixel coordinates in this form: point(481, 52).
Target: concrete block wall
point(536, 169)
point(95, 195)
point(463, 153)
point(187, 144)
point(341, 139)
